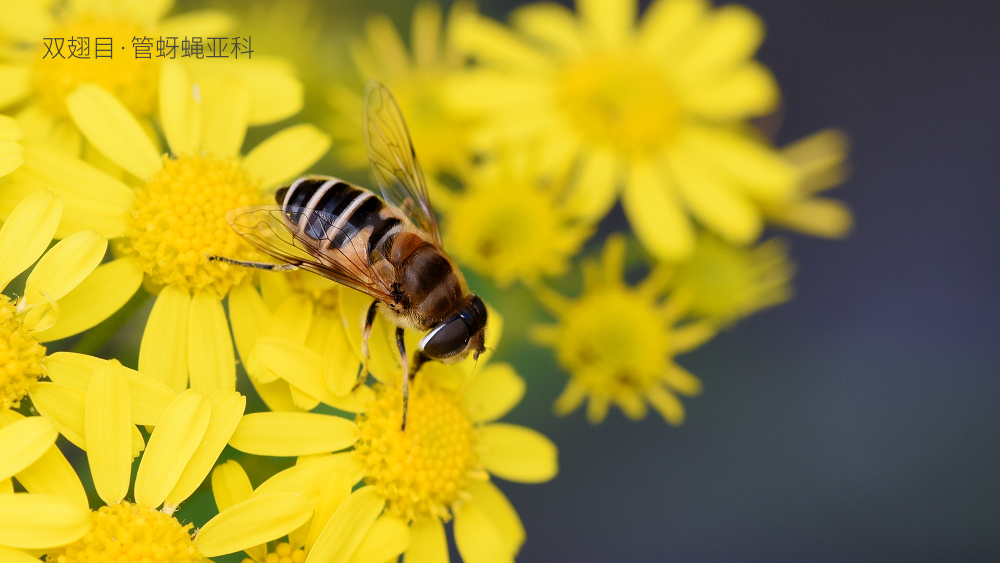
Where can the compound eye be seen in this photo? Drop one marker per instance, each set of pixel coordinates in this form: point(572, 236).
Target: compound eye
point(446, 340)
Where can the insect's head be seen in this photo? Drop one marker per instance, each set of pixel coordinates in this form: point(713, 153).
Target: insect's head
point(459, 334)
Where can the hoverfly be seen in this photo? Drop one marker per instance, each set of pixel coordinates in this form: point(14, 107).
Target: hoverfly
point(389, 247)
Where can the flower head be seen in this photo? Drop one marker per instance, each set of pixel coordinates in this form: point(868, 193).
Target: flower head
point(652, 107)
point(618, 343)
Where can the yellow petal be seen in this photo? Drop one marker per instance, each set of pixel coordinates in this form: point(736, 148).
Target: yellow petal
point(16, 81)
point(227, 409)
point(180, 110)
point(286, 154)
point(199, 23)
point(225, 118)
point(518, 454)
point(388, 537)
point(482, 36)
point(27, 232)
point(64, 266)
point(110, 127)
point(477, 539)
point(425, 33)
point(386, 46)
point(65, 406)
point(23, 442)
point(108, 429)
point(11, 156)
point(254, 521)
point(611, 21)
point(384, 362)
point(210, 347)
point(249, 317)
point(667, 404)
point(551, 23)
point(335, 491)
point(727, 39)
point(100, 295)
point(230, 485)
point(171, 445)
point(340, 361)
point(347, 527)
point(494, 392)
point(596, 187)
point(495, 506)
point(816, 216)
point(747, 91)
point(12, 555)
point(428, 543)
point(52, 474)
point(293, 434)
point(308, 476)
point(667, 23)
point(32, 521)
point(163, 352)
point(655, 214)
point(275, 92)
point(762, 171)
point(91, 198)
point(10, 131)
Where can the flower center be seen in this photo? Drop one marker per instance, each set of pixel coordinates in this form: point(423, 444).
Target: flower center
point(283, 553)
point(180, 218)
point(20, 357)
point(619, 101)
point(613, 341)
point(133, 81)
point(130, 532)
point(420, 472)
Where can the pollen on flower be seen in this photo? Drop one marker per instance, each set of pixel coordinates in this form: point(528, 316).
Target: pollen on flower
point(130, 532)
point(508, 229)
point(180, 218)
point(283, 553)
point(423, 471)
point(20, 357)
point(132, 80)
point(619, 102)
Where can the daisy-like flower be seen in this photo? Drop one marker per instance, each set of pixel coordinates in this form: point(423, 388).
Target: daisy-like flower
point(652, 108)
point(191, 431)
point(63, 294)
point(723, 283)
point(821, 161)
point(37, 77)
point(618, 342)
point(508, 225)
point(54, 510)
point(292, 340)
point(438, 469)
point(169, 223)
point(440, 136)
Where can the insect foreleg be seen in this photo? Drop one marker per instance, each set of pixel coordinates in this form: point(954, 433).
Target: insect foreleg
point(401, 344)
point(365, 334)
point(258, 265)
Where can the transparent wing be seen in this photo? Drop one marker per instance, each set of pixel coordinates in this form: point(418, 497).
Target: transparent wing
point(309, 240)
point(393, 160)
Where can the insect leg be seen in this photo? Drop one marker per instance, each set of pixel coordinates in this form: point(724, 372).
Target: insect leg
point(369, 321)
point(258, 265)
point(406, 378)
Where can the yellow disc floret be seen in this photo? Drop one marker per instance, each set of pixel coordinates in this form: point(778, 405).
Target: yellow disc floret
point(283, 553)
point(619, 102)
point(420, 472)
point(131, 79)
point(128, 532)
point(180, 218)
point(20, 357)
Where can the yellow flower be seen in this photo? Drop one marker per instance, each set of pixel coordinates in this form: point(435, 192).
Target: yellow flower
point(332, 532)
point(722, 283)
point(36, 81)
point(508, 226)
point(191, 431)
point(441, 138)
point(618, 342)
point(820, 159)
point(654, 108)
point(54, 510)
point(293, 343)
point(175, 215)
point(63, 295)
point(11, 152)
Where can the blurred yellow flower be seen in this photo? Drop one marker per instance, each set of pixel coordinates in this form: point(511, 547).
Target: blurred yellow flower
point(63, 294)
point(174, 217)
point(35, 81)
point(653, 109)
point(821, 161)
point(618, 342)
point(11, 151)
point(509, 225)
point(723, 283)
point(441, 138)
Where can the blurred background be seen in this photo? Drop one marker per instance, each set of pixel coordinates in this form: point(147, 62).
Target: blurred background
point(857, 422)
